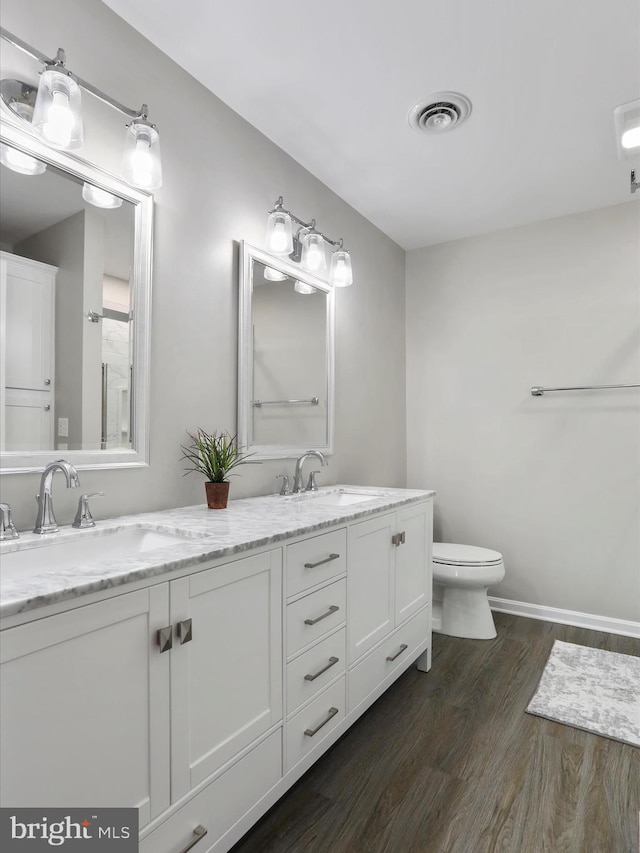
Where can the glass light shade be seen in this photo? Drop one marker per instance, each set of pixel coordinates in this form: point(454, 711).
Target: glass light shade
point(274, 275)
point(301, 287)
point(631, 138)
point(100, 198)
point(279, 233)
point(313, 252)
point(141, 162)
point(340, 273)
point(20, 162)
point(56, 116)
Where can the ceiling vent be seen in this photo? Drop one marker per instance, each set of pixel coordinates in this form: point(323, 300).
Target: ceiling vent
point(440, 112)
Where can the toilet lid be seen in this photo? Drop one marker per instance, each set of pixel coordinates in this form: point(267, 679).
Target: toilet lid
point(464, 555)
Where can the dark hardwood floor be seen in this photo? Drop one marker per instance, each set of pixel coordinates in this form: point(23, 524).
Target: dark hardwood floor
point(449, 762)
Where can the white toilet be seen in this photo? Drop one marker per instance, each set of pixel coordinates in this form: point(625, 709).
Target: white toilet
point(461, 576)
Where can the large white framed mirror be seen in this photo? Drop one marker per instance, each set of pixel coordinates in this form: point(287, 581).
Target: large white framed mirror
point(75, 303)
point(286, 347)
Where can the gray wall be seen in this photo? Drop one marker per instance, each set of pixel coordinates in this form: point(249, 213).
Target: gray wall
point(552, 482)
point(221, 176)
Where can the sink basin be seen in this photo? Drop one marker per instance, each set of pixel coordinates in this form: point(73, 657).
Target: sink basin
point(85, 547)
point(341, 497)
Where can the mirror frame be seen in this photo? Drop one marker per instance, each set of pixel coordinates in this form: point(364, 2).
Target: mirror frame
point(249, 254)
point(13, 462)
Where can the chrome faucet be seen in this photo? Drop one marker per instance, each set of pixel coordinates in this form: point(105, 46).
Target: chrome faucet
point(45, 519)
point(7, 527)
point(297, 479)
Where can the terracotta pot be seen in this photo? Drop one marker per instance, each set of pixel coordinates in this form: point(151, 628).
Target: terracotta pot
point(217, 495)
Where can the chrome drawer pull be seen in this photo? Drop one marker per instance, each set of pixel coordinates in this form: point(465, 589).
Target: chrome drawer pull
point(403, 648)
point(332, 662)
point(200, 831)
point(322, 562)
point(333, 609)
point(312, 732)
point(164, 638)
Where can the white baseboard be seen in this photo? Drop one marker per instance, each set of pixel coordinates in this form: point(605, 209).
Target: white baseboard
point(566, 617)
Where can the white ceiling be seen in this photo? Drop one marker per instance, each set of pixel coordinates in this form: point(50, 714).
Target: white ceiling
point(332, 85)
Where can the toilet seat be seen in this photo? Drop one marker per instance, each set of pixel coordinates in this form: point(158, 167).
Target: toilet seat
point(448, 554)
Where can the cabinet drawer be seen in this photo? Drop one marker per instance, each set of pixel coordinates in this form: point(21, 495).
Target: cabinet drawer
point(222, 803)
point(376, 666)
point(309, 727)
point(315, 615)
point(313, 670)
point(316, 560)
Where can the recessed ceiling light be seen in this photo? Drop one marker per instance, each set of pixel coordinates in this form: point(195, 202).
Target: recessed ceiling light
point(440, 112)
point(626, 119)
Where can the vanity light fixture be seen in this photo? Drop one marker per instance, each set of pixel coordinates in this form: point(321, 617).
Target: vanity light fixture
point(274, 275)
point(307, 247)
point(302, 287)
point(20, 162)
point(54, 114)
point(100, 198)
point(626, 119)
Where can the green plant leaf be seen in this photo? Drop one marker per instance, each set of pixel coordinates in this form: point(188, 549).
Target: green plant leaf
point(215, 455)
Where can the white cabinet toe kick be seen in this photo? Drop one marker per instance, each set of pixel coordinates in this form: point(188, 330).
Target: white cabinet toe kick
point(202, 699)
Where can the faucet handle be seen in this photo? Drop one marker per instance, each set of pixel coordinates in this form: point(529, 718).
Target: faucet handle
point(285, 490)
point(83, 517)
point(7, 527)
point(312, 486)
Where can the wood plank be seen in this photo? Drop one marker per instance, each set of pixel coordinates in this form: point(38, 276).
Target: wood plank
point(449, 762)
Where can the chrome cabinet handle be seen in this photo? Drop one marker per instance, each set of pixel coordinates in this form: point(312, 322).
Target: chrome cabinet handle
point(322, 562)
point(47, 408)
point(330, 715)
point(398, 539)
point(333, 609)
point(164, 638)
point(184, 630)
point(403, 648)
point(200, 831)
point(332, 662)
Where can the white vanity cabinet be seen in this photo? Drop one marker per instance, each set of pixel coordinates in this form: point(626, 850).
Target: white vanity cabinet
point(389, 597)
point(84, 705)
point(226, 664)
point(201, 699)
point(135, 700)
point(315, 626)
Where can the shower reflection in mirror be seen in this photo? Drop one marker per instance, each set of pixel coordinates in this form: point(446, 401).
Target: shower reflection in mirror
point(67, 343)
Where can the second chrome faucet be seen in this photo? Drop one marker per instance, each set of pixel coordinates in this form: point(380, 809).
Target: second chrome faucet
point(45, 519)
point(297, 478)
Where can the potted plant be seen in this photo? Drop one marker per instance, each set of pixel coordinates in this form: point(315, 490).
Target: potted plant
point(215, 455)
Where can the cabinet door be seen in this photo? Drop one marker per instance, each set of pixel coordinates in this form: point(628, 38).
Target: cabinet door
point(29, 306)
point(413, 560)
point(84, 702)
point(28, 420)
point(370, 589)
point(226, 681)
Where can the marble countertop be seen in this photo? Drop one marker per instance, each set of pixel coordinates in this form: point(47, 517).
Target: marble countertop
point(205, 535)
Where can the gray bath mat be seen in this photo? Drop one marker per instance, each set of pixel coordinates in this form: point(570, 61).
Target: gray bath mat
point(591, 689)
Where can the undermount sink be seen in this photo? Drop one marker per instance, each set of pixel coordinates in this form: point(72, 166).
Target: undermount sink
point(85, 547)
point(341, 497)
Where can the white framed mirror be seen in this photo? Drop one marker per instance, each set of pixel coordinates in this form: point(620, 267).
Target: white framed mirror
point(75, 303)
point(286, 352)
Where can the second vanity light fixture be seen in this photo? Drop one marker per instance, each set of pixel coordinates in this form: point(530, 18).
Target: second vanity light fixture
point(308, 246)
point(53, 112)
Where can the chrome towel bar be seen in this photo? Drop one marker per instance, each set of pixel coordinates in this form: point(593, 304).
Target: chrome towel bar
point(538, 391)
point(313, 402)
